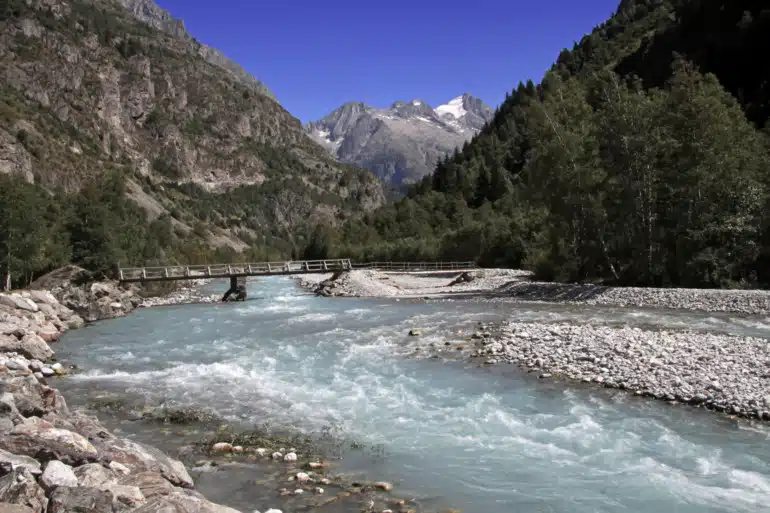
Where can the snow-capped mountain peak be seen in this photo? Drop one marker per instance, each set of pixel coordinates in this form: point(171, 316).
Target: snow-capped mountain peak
point(455, 108)
point(400, 144)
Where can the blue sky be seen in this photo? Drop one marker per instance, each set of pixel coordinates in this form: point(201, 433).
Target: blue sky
point(315, 55)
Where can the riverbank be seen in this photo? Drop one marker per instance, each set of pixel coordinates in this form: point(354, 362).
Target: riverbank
point(516, 285)
point(66, 459)
point(56, 459)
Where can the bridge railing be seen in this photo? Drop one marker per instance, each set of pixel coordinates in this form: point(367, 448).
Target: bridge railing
point(416, 266)
point(178, 272)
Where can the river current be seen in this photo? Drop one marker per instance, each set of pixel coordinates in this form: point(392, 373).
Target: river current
point(493, 440)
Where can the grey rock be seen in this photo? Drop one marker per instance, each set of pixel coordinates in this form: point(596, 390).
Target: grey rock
point(140, 458)
point(94, 475)
point(80, 500)
point(151, 484)
point(10, 462)
point(36, 437)
point(31, 346)
point(18, 302)
point(19, 487)
point(182, 503)
point(15, 508)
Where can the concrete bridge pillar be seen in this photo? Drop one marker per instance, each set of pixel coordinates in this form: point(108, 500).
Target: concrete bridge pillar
point(237, 289)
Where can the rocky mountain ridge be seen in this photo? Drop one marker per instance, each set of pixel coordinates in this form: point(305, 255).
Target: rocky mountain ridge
point(155, 16)
point(400, 144)
point(87, 89)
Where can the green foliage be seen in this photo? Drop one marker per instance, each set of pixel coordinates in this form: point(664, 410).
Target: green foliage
point(598, 176)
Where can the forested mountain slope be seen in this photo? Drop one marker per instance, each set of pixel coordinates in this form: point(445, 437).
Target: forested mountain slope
point(119, 141)
point(639, 159)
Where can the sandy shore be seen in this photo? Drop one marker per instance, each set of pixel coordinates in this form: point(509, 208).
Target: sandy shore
point(507, 285)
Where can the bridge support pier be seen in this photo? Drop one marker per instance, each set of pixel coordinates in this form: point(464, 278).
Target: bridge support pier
point(237, 289)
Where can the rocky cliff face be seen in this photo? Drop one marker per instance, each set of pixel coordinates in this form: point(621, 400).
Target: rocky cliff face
point(86, 88)
point(149, 12)
point(400, 144)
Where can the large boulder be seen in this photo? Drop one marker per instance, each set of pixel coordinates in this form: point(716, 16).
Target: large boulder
point(140, 458)
point(39, 439)
point(151, 484)
point(19, 487)
point(80, 500)
point(10, 462)
point(43, 297)
point(125, 497)
point(30, 345)
point(18, 302)
point(94, 475)
point(34, 399)
point(58, 474)
point(180, 502)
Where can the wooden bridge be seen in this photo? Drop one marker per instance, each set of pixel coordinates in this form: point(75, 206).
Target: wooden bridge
point(237, 273)
point(197, 272)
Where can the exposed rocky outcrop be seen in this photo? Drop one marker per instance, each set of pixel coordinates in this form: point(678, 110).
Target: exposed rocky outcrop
point(75, 288)
point(149, 12)
point(57, 460)
point(92, 87)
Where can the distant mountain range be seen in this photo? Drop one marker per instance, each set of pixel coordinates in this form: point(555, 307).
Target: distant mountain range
point(400, 144)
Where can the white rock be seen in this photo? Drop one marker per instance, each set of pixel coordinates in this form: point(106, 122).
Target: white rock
point(57, 367)
point(119, 468)
point(277, 456)
point(318, 490)
point(18, 302)
point(261, 451)
point(274, 511)
point(299, 491)
point(303, 477)
point(290, 457)
point(57, 473)
point(222, 447)
point(47, 372)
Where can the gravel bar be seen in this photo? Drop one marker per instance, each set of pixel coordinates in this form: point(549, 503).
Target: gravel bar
point(729, 374)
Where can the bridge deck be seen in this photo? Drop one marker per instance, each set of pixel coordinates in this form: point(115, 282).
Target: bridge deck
point(195, 272)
